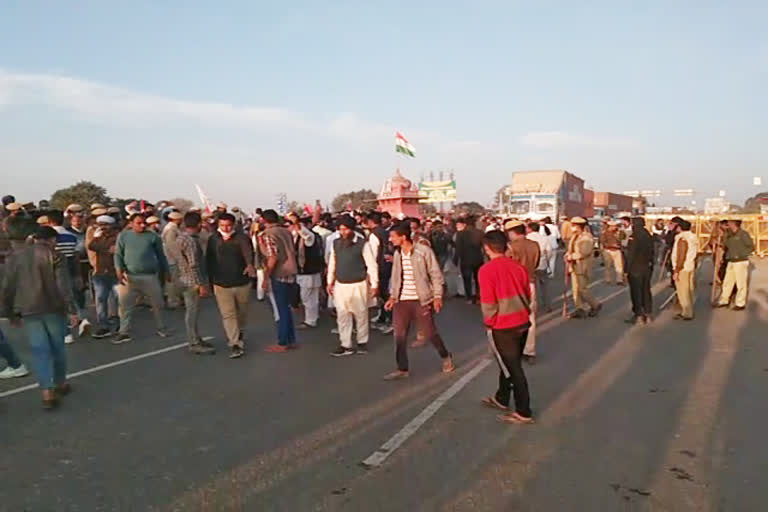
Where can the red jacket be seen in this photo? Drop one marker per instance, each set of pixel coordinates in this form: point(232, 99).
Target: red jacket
point(505, 294)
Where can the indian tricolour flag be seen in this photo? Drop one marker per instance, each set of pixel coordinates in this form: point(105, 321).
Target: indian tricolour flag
point(403, 146)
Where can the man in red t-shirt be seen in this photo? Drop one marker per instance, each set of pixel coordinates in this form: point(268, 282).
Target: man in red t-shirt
point(505, 298)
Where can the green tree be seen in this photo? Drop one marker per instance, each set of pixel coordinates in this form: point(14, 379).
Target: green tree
point(184, 205)
point(428, 209)
point(364, 199)
point(83, 193)
point(469, 208)
point(752, 205)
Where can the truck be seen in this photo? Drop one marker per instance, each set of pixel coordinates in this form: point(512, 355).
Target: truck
point(538, 194)
point(610, 204)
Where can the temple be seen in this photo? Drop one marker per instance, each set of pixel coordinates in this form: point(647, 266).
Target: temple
point(400, 197)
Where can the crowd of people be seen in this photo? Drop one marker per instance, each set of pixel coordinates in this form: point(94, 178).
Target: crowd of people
point(346, 264)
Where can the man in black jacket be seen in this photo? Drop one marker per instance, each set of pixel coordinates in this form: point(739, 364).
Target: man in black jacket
point(640, 256)
point(230, 269)
point(469, 256)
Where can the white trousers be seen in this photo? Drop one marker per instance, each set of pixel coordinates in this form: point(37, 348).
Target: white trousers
point(530, 342)
point(736, 274)
point(310, 296)
point(260, 294)
point(351, 301)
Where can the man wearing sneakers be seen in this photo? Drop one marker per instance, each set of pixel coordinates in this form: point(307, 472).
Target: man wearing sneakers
point(139, 260)
point(505, 298)
point(230, 269)
point(102, 245)
point(192, 280)
point(15, 368)
point(353, 278)
point(416, 294)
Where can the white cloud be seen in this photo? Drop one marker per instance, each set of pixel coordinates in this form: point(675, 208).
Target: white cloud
point(104, 103)
point(107, 103)
point(562, 140)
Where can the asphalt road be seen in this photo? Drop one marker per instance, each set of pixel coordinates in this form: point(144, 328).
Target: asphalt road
point(668, 416)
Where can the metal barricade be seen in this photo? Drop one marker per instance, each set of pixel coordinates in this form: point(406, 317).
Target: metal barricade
point(704, 225)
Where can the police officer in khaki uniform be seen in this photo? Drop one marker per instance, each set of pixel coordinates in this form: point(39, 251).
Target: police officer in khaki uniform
point(579, 258)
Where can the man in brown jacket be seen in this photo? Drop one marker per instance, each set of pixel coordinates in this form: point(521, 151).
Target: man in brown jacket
point(528, 254)
point(102, 246)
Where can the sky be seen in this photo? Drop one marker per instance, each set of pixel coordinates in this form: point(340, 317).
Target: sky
point(249, 99)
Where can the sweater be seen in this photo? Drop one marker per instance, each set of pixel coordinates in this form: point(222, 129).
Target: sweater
point(226, 260)
point(140, 253)
point(527, 253)
point(738, 246)
point(505, 294)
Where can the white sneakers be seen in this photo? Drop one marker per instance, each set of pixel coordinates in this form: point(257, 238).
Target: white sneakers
point(84, 325)
point(12, 373)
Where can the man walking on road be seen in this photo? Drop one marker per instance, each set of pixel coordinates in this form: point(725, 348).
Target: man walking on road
point(468, 255)
point(683, 257)
point(612, 256)
point(353, 278)
point(36, 295)
point(505, 300)
point(579, 256)
point(640, 259)
point(280, 276)
point(528, 254)
point(230, 269)
point(139, 260)
point(542, 273)
point(192, 279)
point(738, 247)
point(102, 245)
point(169, 235)
point(310, 261)
point(416, 295)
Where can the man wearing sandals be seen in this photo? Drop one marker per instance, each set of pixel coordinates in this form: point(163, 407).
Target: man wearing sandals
point(505, 299)
point(416, 296)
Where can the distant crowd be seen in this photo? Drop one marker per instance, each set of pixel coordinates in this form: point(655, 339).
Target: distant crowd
point(368, 269)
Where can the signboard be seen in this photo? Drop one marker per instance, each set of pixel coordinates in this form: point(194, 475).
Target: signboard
point(437, 191)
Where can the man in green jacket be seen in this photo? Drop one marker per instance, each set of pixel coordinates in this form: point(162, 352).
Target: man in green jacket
point(738, 246)
point(139, 262)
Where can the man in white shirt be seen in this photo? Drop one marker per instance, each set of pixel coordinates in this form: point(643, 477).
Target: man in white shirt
point(353, 279)
point(541, 278)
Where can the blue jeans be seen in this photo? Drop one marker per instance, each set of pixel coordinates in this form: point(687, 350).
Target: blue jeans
point(7, 352)
point(286, 335)
point(103, 289)
point(46, 338)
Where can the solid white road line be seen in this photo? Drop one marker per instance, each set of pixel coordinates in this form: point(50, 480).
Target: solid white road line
point(380, 455)
point(100, 368)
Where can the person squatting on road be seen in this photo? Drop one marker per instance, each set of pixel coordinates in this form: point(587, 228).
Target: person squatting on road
point(353, 278)
point(505, 301)
point(36, 295)
point(416, 294)
point(579, 257)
